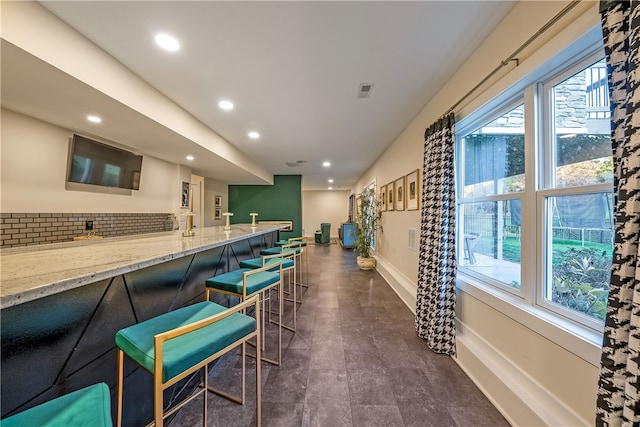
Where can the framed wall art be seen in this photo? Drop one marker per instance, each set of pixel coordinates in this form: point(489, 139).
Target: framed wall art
point(383, 198)
point(399, 194)
point(184, 195)
point(413, 190)
point(390, 198)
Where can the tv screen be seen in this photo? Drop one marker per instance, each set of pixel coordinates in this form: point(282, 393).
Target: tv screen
point(95, 163)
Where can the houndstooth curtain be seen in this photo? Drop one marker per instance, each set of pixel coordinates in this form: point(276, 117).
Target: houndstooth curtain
point(436, 298)
point(619, 387)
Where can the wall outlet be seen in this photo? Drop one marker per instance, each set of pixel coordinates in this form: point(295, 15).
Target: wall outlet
point(88, 225)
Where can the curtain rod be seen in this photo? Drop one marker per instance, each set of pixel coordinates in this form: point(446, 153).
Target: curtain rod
point(513, 56)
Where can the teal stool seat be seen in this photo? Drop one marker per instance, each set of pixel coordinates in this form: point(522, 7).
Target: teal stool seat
point(247, 282)
point(257, 263)
point(288, 263)
point(286, 242)
point(293, 247)
point(90, 406)
point(278, 250)
point(177, 344)
point(183, 352)
point(233, 280)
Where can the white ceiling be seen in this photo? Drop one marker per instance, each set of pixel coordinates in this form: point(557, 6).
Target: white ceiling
point(292, 69)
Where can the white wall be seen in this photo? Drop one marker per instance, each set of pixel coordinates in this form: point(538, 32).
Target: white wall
point(535, 372)
point(324, 206)
point(214, 188)
point(33, 171)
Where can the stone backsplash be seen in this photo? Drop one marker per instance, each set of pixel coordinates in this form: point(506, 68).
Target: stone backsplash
point(23, 229)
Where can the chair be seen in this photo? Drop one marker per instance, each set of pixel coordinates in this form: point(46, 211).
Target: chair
point(90, 406)
point(323, 236)
point(469, 243)
point(305, 252)
point(177, 344)
point(294, 246)
point(246, 282)
point(288, 264)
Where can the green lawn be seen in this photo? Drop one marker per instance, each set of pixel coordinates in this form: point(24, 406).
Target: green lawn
point(511, 247)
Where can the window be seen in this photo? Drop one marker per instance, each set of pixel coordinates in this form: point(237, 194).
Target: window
point(534, 175)
point(489, 209)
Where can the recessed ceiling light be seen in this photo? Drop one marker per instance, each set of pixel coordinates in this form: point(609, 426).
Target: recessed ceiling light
point(330, 180)
point(225, 105)
point(167, 42)
point(330, 188)
point(326, 164)
point(254, 135)
point(94, 119)
point(190, 158)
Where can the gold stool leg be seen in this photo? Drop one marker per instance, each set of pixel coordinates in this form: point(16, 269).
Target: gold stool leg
point(258, 384)
point(204, 398)
point(158, 400)
point(120, 386)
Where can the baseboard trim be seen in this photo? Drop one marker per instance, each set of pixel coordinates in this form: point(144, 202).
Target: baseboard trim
point(400, 284)
point(520, 399)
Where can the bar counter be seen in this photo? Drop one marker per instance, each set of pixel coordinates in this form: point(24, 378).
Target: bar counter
point(62, 304)
point(33, 272)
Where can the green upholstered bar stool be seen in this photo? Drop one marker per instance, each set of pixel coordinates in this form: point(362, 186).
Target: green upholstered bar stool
point(304, 260)
point(247, 282)
point(90, 406)
point(177, 344)
point(294, 247)
point(288, 265)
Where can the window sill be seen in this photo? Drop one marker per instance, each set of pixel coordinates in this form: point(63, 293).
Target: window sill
point(579, 340)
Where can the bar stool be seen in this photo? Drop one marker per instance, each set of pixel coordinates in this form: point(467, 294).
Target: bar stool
point(305, 252)
point(178, 343)
point(246, 282)
point(90, 406)
point(296, 246)
point(288, 265)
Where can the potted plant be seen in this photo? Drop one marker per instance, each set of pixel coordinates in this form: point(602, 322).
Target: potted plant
point(368, 216)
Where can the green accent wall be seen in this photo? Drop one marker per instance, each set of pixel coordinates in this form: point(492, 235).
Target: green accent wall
point(280, 201)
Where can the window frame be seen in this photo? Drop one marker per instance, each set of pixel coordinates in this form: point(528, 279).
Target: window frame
point(484, 115)
point(547, 186)
point(529, 299)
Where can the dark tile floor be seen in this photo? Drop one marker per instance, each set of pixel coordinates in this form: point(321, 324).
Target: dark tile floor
point(355, 360)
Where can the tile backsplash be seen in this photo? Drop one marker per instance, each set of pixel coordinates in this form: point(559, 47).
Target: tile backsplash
point(23, 229)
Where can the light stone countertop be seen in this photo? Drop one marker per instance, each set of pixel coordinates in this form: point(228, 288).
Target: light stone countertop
point(32, 272)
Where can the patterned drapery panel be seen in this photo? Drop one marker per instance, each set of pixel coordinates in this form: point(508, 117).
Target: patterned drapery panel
point(436, 296)
point(619, 386)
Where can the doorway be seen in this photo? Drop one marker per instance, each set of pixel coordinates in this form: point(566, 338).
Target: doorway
point(197, 185)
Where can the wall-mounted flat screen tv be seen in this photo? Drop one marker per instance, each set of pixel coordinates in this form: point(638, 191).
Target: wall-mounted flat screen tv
point(92, 162)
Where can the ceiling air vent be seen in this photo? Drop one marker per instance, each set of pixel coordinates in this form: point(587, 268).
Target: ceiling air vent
point(365, 90)
point(295, 164)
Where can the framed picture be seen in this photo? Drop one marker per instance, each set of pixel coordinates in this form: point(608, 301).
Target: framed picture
point(390, 198)
point(413, 191)
point(184, 195)
point(217, 213)
point(383, 198)
point(399, 196)
point(218, 200)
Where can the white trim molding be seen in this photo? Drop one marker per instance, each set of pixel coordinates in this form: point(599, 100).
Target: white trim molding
point(520, 399)
point(401, 285)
